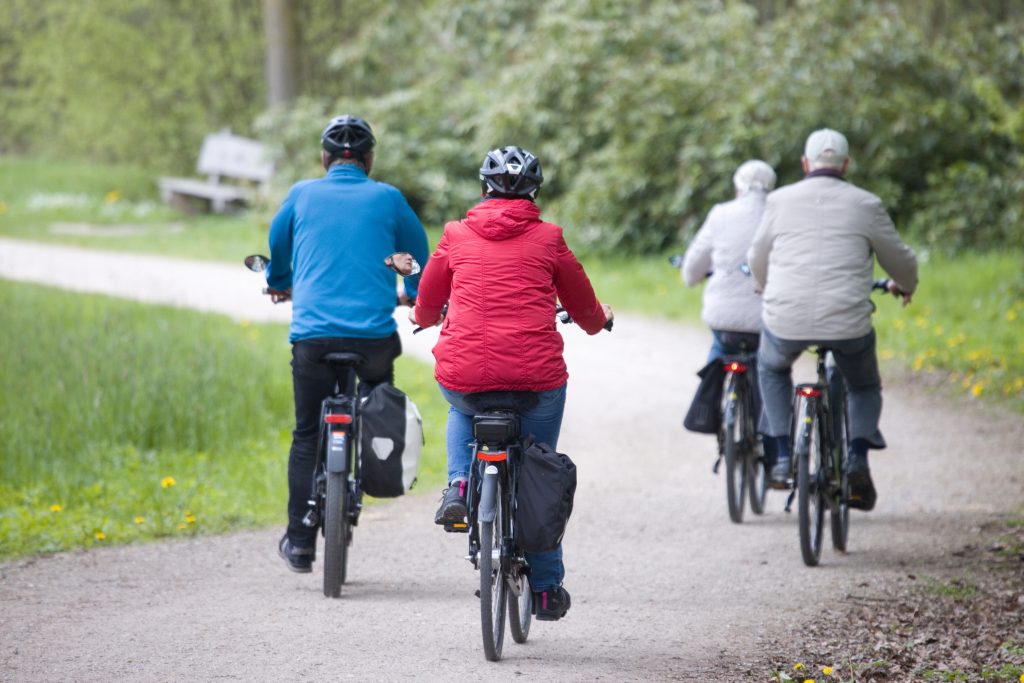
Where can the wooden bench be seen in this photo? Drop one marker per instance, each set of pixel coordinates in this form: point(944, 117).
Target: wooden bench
point(236, 171)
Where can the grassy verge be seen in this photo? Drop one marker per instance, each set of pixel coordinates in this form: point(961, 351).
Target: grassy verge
point(125, 422)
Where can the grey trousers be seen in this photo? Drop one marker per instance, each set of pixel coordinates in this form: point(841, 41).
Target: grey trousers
point(856, 360)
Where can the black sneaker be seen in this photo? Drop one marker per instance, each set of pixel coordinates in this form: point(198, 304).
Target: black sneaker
point(778, 477)
point(299, 560)
point(862, 489)
point(551, 604)
point(452, 513)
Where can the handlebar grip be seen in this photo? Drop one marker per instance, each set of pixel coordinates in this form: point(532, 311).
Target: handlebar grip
point(608, 325)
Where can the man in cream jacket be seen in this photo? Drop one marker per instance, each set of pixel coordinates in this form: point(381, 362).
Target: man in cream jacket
point(813, 257)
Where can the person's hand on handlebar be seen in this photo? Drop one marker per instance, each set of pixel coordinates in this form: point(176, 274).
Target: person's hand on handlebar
point(890, 286)
point(277, 295)
point(412, 319)
point(608, 314)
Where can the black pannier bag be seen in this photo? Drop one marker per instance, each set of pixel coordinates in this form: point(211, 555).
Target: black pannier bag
point(391, 440)
point(705, 413)
point(547, 484)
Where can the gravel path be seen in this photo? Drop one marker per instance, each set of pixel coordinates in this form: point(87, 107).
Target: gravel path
point(664, 586)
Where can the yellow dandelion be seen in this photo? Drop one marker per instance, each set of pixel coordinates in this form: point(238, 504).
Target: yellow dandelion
point(977, 389)
point(138, 519)
point(1022, 678)
point(898, 323)
point(183, 526)
point(56, 507)
point(937, 330)
point(99, 536)
point(1018, 383)
point(827, 670)
point(190, 518)
point(808, 680)
point(798, 666)
point(167, 482)
point(918, 362)
point(112, 197)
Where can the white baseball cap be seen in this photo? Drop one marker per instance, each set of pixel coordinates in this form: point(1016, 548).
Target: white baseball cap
point(826, 145)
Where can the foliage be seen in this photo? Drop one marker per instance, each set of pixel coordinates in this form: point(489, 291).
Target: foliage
point(124, 421)
point(640, 111)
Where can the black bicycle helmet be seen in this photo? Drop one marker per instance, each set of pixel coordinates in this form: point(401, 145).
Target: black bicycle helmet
point(348, 137)
point(511, 172)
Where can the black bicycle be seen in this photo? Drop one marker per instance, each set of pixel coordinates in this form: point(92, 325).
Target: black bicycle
point(491, 500)
point(739, 444)
point(490, 522)
point(820, 443)
point(336, 496)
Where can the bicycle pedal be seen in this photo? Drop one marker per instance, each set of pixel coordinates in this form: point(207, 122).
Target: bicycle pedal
point(457, 528)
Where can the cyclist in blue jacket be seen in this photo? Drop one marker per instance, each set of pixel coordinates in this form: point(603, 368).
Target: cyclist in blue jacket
point(328, 245)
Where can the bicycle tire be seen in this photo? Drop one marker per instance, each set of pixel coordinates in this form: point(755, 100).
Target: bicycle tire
point(810, 498)
point(734, 448)
point(336, 533)
point(757, 471)
point(840, 511)
point(493, 589)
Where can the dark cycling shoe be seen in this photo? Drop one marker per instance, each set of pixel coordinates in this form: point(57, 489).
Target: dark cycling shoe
point(778, 477)
point(452, 513)
point(299, 560)
point(862, 489)
point(551, 604)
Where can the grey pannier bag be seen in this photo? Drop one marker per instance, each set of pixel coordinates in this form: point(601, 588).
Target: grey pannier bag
point(391, 440)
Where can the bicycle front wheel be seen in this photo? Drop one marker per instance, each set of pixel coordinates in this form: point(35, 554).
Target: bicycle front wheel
point(493, 589)
point(810, 496)
point(840, 512)
point(336, 533)
point(520, 608)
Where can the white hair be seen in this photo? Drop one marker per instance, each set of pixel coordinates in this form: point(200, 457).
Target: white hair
point(754, 175)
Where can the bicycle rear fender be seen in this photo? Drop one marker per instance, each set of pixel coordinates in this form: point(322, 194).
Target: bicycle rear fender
point(488, 507)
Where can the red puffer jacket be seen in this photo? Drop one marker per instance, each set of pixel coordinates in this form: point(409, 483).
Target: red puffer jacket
point(500, 269)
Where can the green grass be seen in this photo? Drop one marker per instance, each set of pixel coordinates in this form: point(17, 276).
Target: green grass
point(123, 422)
point(115, 207)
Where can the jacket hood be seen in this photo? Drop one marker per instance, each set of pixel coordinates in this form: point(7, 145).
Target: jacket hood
point(501, 219)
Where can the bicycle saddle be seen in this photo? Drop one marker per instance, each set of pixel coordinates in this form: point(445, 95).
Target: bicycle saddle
point(343, 358)
point(516, 401)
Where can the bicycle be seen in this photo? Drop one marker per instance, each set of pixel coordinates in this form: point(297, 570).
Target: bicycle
point(491, 500)
point(739, 443)
point(490, 521)
point(336, 496)
point(820, 446)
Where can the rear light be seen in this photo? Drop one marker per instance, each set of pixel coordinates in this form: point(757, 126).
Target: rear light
point(733, 366)
point(492, 456)
point(814, 392)
point(338, 419)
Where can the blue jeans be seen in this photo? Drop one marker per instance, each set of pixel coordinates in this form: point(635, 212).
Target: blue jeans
point(725, 343)
point(544, 422)
point(858, 364)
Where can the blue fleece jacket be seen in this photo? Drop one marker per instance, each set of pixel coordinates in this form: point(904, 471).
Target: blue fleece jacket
point(328, 242)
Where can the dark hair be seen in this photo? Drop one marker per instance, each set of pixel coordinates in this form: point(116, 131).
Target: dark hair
point(511, 172)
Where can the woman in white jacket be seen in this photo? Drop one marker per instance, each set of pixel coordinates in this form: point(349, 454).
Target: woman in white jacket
point(732, 304)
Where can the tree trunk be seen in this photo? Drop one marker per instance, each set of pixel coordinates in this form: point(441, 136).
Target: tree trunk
point(282, 66)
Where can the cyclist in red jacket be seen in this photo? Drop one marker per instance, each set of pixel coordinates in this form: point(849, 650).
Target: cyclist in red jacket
point(500, 270)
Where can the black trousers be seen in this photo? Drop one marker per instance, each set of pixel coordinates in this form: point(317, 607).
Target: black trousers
point(312, 382)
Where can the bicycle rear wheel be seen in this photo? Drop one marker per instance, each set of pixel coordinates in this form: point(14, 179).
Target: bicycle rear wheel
point(336, 533)
point(810, 497)
point(493, 588)
point(735, 451)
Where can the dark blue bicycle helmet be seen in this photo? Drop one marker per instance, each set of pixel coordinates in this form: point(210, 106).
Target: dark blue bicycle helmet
point(348, 137)
point(511, 172)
